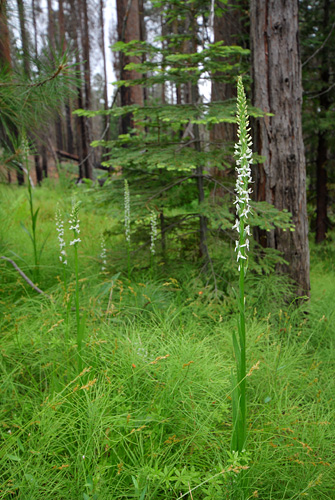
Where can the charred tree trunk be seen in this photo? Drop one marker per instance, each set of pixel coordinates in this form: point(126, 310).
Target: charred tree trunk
point(281, 179)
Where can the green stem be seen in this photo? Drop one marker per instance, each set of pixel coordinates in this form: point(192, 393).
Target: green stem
point(128, 261)
point(33, 217)
point(79, 336)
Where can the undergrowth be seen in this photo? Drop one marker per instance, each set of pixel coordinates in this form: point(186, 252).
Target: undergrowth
point(149, 416)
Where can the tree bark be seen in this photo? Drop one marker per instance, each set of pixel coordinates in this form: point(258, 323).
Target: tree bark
point(128, 27)
point(277, 89)
point(227, 28)
point(103, 51)
point(24, 38)
point(63, 44)
point(85, 39)
point(322, 151)
point(5, 57)
point(321, 188)
point(33, 10)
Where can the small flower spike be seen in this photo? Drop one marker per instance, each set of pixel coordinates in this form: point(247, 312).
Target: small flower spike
point(243, 154)
point(103, 255)
point(153, 227)
point(74, 223)
point(60, 231)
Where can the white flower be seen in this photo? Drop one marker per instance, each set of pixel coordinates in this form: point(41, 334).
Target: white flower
point(76, 240)
point(240, 256)
point(60, 230)
point(243, 153)
point(74, 223)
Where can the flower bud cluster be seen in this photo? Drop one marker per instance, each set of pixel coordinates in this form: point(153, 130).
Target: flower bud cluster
point(153, 232)
point(60, 231)
point(243, 153)
point(74, 223)
point(127, 211)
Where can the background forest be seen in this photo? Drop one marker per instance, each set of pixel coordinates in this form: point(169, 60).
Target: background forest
point(121, 298)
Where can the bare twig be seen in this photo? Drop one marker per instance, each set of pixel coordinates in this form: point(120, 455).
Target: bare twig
point(321, 46)
point(25, 277)
point(36, 84)
point(321, 93)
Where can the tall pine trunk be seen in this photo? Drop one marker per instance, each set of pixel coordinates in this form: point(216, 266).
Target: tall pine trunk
point(103, 51)
point(227, 28)
point(128, 27)
point(24, 38)
point(277, 89)
point(322, 151)
point(5, 57)
point(63, 44)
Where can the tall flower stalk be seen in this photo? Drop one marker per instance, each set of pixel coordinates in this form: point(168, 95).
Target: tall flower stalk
point(63, 259)
point(74, 226)
point(61, 241)
point(243, 154)
point(103, 254)
point(153, 238)
point(127, 221)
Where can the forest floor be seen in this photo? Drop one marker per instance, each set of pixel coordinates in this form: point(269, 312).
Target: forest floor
point(148, 415)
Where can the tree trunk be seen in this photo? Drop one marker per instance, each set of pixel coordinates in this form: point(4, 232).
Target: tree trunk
point(227, 28)
point(281, 179)
point(5, 57)
point(24, 38)
point(322, 152)
point(128, 27)
point(33, 10)
point(88, 164)
point(321, 188)
point(44, 161)
point(63, 44)
point(52, 48)
point(193, 99)
point(103, 51)
point(38, 169)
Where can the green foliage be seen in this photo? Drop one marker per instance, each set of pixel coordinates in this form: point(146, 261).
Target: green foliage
point(162, 156)
point(26, 103)
point(151, 415)
point(318, 55)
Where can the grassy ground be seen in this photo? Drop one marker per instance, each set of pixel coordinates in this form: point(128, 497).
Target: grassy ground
point(149, 417)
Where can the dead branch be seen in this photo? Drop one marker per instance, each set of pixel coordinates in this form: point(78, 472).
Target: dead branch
point(25, 277)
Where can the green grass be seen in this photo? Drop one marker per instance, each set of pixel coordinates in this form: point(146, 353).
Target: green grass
point(152, 413)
